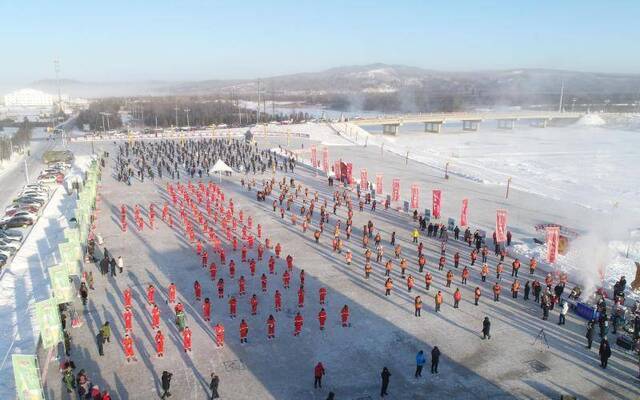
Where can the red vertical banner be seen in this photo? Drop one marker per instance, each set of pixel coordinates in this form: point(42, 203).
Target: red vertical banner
point(325, 159)
point(415, 195)
point(314, 156)
point(364, 179)
point(336, 170)
point(379, 184)
point(350, 172)
point(501, 226)
point(437, 197)
point(464, 213)
point(395, 190)
point(553, 241)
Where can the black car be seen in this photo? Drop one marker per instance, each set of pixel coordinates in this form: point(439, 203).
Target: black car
point(11, 235)
point(17, 222)
point(29, 200)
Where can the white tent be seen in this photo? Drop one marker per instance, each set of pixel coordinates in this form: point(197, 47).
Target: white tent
point(220, 167)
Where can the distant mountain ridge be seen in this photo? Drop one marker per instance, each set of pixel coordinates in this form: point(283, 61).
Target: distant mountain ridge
point(373, 78)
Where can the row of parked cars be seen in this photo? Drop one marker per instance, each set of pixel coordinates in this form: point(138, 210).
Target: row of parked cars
point(26, 208)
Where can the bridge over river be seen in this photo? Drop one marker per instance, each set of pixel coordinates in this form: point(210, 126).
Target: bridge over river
point(470, 120)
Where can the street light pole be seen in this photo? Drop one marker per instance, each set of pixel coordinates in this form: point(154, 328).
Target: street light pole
point(26, 171)
point(508, 185)
point(186, 110)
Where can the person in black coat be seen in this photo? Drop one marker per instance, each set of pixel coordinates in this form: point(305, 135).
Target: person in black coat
point(435, 359)
point(589, 335)
point(213, 385)
point(527, 290)
point(166, 384)
point(486, 328)
point(385, 381)
point(100, 343)
point(605, 353)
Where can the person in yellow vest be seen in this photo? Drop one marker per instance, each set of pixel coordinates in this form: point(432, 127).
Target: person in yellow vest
point(438, 300)
point(410, 283)
point(476, 295)
point(515, 288)
point(388, 285)
point(348, 257)
point(418, 305)
point(367, 269)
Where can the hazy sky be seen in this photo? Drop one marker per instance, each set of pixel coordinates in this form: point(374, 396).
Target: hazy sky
point(186, 40)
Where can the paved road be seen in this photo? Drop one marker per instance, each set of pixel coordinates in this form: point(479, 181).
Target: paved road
point(13, 177)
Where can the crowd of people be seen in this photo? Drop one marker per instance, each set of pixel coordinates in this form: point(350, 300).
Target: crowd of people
point(233, 250)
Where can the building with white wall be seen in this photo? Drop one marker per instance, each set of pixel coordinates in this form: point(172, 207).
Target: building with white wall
point(31, 98)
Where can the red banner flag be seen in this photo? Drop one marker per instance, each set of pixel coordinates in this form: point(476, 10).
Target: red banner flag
point(501, 226)
point(553, 240)
point(415, 194)
point(364, 181)
point(314, 156)
point(336, 170)
point(379, 184)
point(464, 214)
point(350, 173)
point(395, 190)
point(325, 159)
point(437, 196)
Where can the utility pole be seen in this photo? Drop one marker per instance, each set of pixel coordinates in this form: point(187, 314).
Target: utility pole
point(56, 67)
point(258, 114)
point(186, 110)
point(506, 196)
point(561, 96)
point(176, 109)
point(26, 171)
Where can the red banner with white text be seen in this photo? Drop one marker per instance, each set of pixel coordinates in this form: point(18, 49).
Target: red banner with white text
point(314, 157)
point(395, 190)
point(501, 226)
point(364, 182)
point(336, 170)
point(464, 213)
point(437, 197)
point(325, 159)
point(553, 242)
point(350, 173)
point(379, 184)
point(415, 195)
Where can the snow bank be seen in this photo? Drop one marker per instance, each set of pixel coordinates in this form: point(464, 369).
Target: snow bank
point(584, 166)
point(591, 120)
point(25, 281)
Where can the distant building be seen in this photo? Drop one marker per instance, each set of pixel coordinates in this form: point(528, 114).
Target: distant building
point(31, 98)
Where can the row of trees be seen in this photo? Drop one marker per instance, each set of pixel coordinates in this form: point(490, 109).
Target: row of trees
point(95, 116)
point(17, 142)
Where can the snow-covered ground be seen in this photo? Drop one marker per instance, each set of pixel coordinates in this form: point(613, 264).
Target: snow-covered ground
point(592, 164)
point(587, 165)
point(25, 281)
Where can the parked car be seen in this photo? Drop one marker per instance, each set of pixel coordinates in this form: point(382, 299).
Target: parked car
point(21, 213)
point(61, 164)
point(14, 208)
point(7, 251)
point(49, 178)
point(16, 222)
point(11, 234)
point(28, 200)
point(3, 260)
point(37, 186)
point(10, 243)
point(35, 194)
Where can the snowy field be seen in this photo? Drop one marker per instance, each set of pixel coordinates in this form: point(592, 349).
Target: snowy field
point(587, 165)
point(591, 165)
